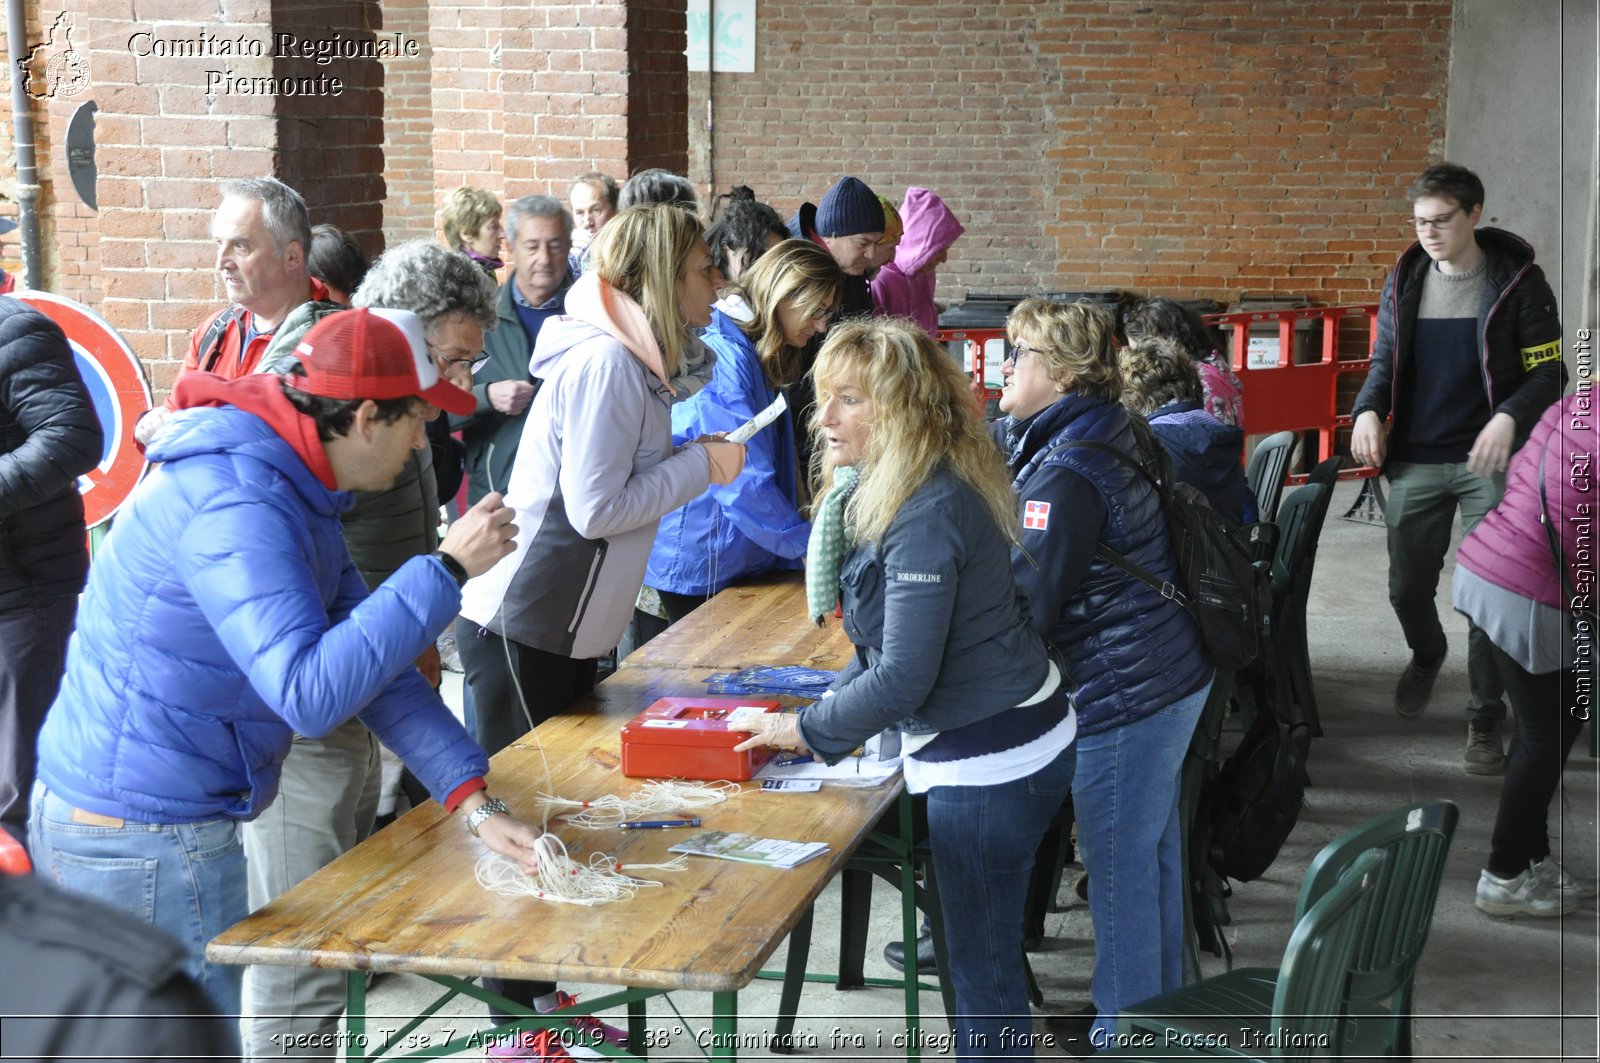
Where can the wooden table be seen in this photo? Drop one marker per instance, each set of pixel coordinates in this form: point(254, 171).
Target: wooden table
point(749, 625)
point(407, 899)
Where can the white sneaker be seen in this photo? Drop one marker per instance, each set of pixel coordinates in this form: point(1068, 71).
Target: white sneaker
point(1526, 894)
point(1556, 879)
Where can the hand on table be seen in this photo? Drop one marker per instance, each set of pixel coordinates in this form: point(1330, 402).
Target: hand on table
point(506, 835)
point(781, 729)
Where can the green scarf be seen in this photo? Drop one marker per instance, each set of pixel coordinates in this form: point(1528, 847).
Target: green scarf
point(829, 541)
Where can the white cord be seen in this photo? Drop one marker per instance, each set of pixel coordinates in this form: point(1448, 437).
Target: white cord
point(563, 879)
point(650, 800)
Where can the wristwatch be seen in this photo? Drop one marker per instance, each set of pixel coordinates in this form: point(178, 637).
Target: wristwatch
point(476, 817)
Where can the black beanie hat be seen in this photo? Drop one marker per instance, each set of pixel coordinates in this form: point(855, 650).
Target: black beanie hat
point(850, 207)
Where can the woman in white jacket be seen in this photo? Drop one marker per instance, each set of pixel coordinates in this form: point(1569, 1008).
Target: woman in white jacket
point(594, 473)
point(596, 469)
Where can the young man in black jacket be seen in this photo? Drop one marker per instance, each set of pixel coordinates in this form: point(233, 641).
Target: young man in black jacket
point(49, 436)
point(1467, 358)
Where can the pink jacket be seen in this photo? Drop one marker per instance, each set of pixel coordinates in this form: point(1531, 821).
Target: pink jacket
point(1509, 547)
point(901, 289)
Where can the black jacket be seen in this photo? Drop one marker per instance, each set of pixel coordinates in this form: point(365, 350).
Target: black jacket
point(82, 980)
point(1519, 339)
point(49, 436)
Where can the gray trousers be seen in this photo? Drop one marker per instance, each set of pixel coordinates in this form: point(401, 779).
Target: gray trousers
point(326, 804)
point(1420, 515)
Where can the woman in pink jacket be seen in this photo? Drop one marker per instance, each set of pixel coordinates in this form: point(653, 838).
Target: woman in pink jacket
point(904, 287)
point(1539, 616)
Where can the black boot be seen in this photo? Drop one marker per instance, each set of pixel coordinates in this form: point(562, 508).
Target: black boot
point(1071, 1031)
point(894, 953)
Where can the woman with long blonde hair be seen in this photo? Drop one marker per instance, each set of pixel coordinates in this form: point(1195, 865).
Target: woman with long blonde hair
point(759, 330)
point(595, 470)
point(914, 534)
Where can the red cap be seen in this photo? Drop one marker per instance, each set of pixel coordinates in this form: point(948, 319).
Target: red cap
point(375, 354)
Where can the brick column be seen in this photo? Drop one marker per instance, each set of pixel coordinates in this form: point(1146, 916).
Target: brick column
point(527, 95)
point(172, 127)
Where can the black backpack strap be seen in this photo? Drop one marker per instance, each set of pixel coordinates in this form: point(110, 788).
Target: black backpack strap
point(1166, 588)
point(211, 342)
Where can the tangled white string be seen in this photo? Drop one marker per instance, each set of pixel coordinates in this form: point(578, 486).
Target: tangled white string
point(651, 800)
point(563, 879)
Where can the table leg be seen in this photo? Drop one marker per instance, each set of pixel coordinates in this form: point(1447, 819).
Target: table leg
point(725, 1026)
point(355, 1015)
point(638, 1038)
point(908, 927)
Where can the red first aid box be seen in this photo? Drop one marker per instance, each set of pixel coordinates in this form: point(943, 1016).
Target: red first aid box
point(693, 738)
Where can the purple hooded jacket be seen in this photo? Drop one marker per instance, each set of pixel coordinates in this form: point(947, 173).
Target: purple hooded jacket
point(900, 289)
point(1509, 547)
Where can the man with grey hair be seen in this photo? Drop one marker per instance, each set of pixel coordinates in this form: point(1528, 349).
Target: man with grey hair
point(539, 230)
point(263, 232)
point(330, 786)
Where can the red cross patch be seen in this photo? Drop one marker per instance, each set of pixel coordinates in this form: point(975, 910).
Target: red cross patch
point(1035, 516)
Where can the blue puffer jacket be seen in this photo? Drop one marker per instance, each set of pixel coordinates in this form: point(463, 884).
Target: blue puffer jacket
point(224, 614)
point(1205, 455)
point(753, 525)
point(1130, 651)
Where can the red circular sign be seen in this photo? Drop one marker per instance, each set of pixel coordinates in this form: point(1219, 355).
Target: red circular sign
point(115, 379)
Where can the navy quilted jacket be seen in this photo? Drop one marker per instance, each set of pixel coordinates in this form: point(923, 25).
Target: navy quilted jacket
point(1130, 651)
point(224, 614)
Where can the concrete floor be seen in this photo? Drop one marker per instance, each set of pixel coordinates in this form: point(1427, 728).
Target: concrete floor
point(1487, 988)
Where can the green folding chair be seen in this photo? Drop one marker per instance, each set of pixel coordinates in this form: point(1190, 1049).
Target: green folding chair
point(1304, 1011)
point(1382, 971)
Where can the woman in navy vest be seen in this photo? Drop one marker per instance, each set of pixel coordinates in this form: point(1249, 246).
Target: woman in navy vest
point(914, 533)
point(1141, 674)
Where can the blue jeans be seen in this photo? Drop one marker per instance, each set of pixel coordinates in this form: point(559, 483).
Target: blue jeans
point(186, 878)
point(1125, 798)
point(983, 840)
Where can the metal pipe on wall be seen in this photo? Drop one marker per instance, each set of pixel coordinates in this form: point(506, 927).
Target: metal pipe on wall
point(22, 134)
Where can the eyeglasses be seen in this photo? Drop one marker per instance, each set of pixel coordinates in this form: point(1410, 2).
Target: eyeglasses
point(456, 369)
point(1017, 350)
point(1436, 224)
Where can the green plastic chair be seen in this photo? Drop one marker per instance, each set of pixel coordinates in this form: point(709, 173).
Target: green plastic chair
point(1305, 1007)
point(1266, 471)
point(1300, 521)
point(1383, 971)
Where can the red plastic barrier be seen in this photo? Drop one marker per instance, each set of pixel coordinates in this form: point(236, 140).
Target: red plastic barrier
point(1296, 391)
point(973, 357)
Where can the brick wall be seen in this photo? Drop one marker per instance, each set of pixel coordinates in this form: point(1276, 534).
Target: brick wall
point(1186, 147)
point(526, 96)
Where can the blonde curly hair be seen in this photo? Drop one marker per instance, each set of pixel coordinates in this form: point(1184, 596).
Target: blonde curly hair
point(923, 417)
point(1076, 344)
point(465, 212)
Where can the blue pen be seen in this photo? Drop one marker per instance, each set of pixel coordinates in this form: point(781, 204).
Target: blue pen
point(658, 824)
point(783, 760)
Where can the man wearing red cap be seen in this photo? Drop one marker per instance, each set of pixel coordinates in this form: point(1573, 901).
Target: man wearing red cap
point(224, 614)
